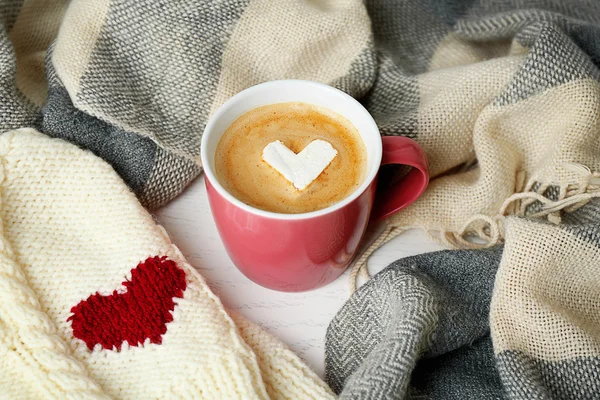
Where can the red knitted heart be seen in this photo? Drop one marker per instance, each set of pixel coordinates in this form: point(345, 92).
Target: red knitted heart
point(141, 312)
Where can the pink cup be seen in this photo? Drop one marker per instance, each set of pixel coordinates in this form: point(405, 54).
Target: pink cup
point(298, 252)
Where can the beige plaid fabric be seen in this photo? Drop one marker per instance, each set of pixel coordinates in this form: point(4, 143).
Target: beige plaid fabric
point(503, 97)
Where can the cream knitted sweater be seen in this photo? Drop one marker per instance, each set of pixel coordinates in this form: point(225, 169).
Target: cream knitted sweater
point(96, 302)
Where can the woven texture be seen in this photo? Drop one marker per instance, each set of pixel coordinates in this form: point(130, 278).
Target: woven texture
point(502, 95)
point(504, 98)
point(135, 81)
point(97, 303)
point(419, 329)
point(139, 79)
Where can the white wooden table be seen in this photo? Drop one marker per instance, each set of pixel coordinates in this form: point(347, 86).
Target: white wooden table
point(298, 319)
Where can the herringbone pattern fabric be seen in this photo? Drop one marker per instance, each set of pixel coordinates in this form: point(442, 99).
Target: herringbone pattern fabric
point(417, 329)
point(503, 96)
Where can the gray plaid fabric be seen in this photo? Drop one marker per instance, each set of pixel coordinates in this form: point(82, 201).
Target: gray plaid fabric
point(503, 96)
point(135, 82)
point(519, 321)
point(149, 86)
point(418, 330)
point(15, 109)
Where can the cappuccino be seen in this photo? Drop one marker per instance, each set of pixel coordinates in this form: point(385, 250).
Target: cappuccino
point(243, 172)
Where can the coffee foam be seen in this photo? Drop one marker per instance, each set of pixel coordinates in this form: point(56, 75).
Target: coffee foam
point(243, 173)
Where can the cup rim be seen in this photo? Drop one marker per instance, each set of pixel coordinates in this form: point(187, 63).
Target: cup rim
point(211, 176)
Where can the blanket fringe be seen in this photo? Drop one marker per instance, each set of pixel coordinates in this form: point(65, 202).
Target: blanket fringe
point(484, 231)
point(360, 267)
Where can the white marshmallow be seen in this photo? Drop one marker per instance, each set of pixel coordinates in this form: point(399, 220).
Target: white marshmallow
point(302, 168)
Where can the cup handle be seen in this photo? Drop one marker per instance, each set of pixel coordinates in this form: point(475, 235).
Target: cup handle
point(401, 150)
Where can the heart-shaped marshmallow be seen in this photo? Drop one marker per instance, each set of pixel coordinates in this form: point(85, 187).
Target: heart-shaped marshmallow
point(302, 168)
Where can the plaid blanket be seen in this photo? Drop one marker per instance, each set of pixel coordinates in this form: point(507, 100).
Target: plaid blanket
point(502, 95)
